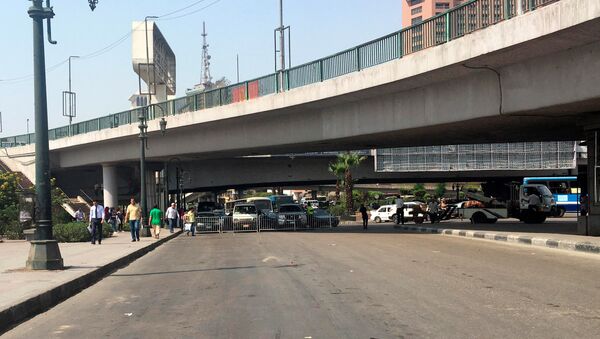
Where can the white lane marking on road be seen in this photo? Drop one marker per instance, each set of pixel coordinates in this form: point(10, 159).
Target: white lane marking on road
point(436, 251)
point(269, 258)
point(331, 244)
point(351, 271)
point(128, 314)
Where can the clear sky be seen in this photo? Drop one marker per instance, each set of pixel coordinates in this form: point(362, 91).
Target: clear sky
point(105, 82)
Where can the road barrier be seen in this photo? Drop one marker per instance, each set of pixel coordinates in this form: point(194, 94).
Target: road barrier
point(264, 223)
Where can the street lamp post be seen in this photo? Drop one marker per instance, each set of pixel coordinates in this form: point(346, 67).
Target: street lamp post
point(143, 137)
point(44, 253)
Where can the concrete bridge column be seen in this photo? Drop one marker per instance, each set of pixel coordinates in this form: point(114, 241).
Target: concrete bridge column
point(111, 191)
point(590, 224)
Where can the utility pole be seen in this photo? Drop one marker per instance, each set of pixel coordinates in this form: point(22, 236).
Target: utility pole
point(70, 100)
point(281, 36)
point(281, 30)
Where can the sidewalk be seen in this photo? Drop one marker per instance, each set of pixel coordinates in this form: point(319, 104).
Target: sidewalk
point(556, 233)
point(27, 293)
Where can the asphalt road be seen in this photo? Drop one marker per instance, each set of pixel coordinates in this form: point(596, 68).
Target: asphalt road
point(339, 284)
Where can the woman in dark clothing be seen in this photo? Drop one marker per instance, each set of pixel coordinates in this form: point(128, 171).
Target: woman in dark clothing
point(365, 216)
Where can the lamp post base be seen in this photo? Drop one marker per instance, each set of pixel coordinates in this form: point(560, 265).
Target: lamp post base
point(146, 231)
point(44, 255)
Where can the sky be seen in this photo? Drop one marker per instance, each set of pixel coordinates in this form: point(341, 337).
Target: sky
point(105, 80)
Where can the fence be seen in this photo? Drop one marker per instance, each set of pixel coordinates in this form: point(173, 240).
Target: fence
point(442, 28)
point(262, 223)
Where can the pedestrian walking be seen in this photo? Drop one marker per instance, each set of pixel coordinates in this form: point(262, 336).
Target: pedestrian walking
point(433, 209)
point(172, 217)
point(584, 205)
point(365, 216)
point(190, 220)
point(111, 218)
point(119, 219)
point(96, 221)
point(79, 215)
point(399, 210)
point(155, 220)
point(133, 215)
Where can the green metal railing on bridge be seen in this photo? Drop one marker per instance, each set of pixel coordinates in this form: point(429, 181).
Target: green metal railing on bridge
point(452, 24)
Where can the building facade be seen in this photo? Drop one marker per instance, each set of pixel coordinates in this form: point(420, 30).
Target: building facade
point(415, 11)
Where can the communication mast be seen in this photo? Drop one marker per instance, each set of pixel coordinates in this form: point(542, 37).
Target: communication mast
point(206, 77)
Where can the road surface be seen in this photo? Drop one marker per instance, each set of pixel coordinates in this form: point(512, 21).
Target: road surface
point(343, 283)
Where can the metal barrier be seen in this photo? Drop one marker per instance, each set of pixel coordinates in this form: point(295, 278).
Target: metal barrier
point(452, 24)
point(264, 223)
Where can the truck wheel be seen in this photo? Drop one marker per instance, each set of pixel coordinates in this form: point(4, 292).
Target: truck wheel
point(393, 218)
point(377, 220)
point(561, 212)
point(478, 218)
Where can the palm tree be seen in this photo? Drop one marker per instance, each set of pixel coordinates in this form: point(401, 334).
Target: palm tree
point(349, 160)
point(338, 169)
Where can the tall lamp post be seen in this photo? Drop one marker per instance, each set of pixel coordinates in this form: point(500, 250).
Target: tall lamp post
point(70, 100)
point(44, 253)
point(143, 137)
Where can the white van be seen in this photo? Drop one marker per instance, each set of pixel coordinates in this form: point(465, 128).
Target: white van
point(388, 212)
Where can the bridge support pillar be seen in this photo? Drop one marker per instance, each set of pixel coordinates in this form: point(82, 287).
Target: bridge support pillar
point(590, 224)
point(111, 191)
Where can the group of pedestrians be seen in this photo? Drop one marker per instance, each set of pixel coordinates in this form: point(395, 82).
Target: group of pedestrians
point(100, 215)
point(114, 217)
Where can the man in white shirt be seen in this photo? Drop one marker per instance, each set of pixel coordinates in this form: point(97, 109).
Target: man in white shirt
point(172, 216)
point(533, 201)
point(399, 210)
point(96, 221)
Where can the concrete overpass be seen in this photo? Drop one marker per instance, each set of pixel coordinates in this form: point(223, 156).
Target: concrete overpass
point(532, 77)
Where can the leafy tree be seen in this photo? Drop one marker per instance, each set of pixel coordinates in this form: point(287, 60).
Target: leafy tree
point(9, 205)
point(338, 169)
point(347, 161)
point(419, 192)
point(440, 189)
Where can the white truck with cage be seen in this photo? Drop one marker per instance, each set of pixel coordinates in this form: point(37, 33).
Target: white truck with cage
point(516, 207)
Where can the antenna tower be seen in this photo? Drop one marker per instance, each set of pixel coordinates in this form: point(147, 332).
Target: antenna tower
point(206, 78)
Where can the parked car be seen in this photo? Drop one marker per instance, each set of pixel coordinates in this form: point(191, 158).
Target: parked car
point(291, 215)
point(388, 212)
point(244, 216)
point(208, 221)
point(322, 218)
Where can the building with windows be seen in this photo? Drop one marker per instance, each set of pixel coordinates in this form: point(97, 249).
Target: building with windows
point(415, 11)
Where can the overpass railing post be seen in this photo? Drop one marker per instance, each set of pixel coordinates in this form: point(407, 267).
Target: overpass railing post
point(507, 9)
point(448, 26)
point(357, 52)
point(321, 70)
point(400, 45)
point(247, 94)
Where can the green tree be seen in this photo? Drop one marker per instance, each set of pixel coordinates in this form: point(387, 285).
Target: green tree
point(419, 192)
point(349, 160)
point(338, 169)
point(440, 189)
point(9, 205)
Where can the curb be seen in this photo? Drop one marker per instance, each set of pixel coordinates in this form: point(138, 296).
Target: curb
point(585, 247)
point(16, 314)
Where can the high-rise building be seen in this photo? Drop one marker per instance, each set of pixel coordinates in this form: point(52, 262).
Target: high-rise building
point(415, 11)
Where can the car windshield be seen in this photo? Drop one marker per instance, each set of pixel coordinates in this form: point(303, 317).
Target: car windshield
point(544, 191)
point(321, 213)
point(263, 204)
point(245, 209)
point(290, 209)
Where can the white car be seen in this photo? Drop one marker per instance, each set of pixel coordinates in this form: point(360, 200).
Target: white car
point(388, 212)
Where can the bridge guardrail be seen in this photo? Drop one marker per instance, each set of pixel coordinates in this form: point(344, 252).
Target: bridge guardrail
point(452, 24)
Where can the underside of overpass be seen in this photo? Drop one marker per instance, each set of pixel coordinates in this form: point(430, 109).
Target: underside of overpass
point(252, 172)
